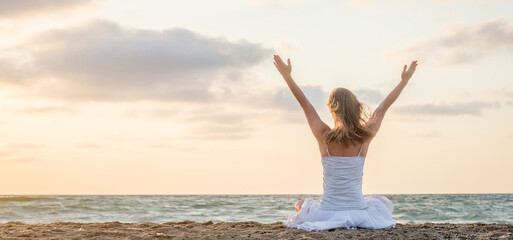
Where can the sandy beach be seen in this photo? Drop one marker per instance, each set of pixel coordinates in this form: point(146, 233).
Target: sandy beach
point(244, 230)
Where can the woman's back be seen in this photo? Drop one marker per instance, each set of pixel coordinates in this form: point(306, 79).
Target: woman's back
point(346, 150)
point(342, 182)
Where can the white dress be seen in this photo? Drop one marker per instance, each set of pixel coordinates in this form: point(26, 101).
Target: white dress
point(342, 203)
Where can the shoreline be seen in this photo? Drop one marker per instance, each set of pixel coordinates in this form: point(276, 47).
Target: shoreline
point(245, 230)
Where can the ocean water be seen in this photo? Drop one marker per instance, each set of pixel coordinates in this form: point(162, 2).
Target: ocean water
point(410, 208)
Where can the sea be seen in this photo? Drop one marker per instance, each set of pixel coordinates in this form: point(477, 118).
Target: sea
point(409, 208)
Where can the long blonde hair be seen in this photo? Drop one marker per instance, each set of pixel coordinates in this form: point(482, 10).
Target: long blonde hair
point(350, 118)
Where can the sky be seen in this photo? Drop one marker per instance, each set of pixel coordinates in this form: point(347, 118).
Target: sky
point(182, 97)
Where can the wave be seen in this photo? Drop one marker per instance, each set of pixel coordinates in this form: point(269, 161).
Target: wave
point(414, 209)
point(20, 199)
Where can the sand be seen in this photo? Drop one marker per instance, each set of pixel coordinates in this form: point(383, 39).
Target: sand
point(245, 230)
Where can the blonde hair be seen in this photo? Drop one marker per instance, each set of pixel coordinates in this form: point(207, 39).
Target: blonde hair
point(350, 118)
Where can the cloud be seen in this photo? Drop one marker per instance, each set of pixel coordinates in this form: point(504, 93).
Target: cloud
point(281, 98)
point(501, 93)
point(369, 96)
point(461, 44)
point(194, 113)
point(14, 71)
point(212, 131)
point(474, 108)
point(220, 123)
point(102, 60)
point(218, 117)
point(220, 120)
point(159, 112)
point(238, 115)
point(285, 108)
point(12, 8)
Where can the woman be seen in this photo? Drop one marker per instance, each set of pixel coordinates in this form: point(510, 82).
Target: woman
point(343, 150)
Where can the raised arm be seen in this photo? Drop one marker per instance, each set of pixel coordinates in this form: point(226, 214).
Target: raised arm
point(318, 127)
point(379, 113)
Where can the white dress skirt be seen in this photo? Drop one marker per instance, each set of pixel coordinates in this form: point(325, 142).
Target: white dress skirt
point(311, 217)
point(342, 204)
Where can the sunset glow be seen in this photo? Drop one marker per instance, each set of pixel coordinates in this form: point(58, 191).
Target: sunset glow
point(181, 97)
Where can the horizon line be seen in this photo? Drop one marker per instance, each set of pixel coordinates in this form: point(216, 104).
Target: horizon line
point(234, 194)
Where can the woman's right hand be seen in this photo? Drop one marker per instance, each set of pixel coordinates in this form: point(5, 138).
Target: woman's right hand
point(284, 69)
point(406, 74)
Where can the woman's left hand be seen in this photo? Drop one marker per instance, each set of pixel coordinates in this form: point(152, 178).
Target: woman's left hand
point(284, 69)
point(406, 74)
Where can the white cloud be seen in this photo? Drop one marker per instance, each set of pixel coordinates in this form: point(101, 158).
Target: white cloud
point(461, 44)
point(218, 120)
point(14, 70)
point(104, 61)
point(474, 108)
point(282, 99)
point(500, 93)
point(369, 96)
point(29, 8)
point(212, 131)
